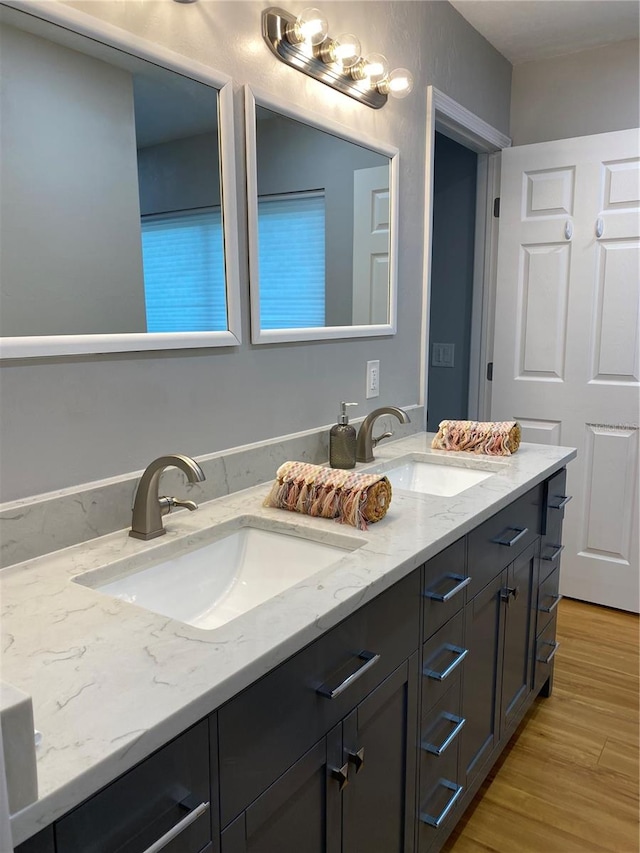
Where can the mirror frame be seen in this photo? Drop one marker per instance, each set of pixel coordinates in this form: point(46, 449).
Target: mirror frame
point(37, 346)
point(255, 97)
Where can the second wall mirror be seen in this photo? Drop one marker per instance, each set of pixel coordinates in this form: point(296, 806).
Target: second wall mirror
point(322, 206)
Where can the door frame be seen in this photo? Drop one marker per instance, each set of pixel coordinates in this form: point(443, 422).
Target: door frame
point(458, 123)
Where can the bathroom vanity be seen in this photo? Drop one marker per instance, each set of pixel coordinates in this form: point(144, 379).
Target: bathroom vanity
point(359, 710)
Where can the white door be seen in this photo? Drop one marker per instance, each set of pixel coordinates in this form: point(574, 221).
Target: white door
point(566, 340)
point(371, 245)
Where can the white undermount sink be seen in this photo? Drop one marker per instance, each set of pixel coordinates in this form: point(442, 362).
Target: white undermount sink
point(444, 476)
point(216, 581)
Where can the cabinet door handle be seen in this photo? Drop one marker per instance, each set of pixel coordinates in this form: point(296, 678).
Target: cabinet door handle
point(436, 596)
point(453, 734)
point(557, 550)
point(341, 775)
point(552, 653)
point(176, 830)
point(562, 501)
point(370, 659)
point(552, 607)
point(460, 656)
point(437, 821)
point(357, 759)
point(520, 532)
point(509, 593)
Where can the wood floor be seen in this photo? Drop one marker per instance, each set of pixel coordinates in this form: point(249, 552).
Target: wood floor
point(568, 781)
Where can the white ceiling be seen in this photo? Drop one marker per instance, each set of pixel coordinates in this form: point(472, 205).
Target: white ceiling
point(525, 30)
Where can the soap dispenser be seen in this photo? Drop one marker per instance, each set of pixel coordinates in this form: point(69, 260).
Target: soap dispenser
point(342, 441)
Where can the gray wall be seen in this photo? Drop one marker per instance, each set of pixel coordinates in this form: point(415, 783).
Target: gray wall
point(69, 421)
point(179, 175)
point(592, 91)
point(79, 151)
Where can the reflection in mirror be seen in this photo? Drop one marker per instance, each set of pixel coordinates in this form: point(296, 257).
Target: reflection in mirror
point(112, 223)
point(321, 228)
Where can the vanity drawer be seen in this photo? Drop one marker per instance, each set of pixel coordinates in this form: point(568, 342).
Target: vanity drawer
point(442, 657)
point(546, 648)
point(440, 791)
point(555, 500)
point(265, 729)
point(498, 541)
point(444, 588)
point(166, 791)
point(548, 599)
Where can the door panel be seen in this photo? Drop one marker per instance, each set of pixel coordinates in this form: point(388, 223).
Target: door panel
point(519, 635)
point(482, 679)
point(300, 811)
point(567, 340)
point(379, 740)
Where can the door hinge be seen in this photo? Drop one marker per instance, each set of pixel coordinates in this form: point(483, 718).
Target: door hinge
point(490, 372)
point(496, 208)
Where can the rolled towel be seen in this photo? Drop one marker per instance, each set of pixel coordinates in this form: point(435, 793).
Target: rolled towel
point(351, 497)
point(495, 438)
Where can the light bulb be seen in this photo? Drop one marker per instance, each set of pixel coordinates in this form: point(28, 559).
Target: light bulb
point(398, 84)
point(375, 68)
point(346, 50)
point(311, 26)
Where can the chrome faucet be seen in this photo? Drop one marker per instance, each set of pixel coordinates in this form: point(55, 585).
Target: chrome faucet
point(149, 507)
point(366, 441)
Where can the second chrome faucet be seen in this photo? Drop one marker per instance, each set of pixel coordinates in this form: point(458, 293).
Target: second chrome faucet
point(366, 441)
point(149, 507)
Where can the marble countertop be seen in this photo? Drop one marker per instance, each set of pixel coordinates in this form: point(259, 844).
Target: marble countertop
point(112, 682)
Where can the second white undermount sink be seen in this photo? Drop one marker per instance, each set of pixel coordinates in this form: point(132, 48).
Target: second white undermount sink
point(215, 582)
point(438, 475)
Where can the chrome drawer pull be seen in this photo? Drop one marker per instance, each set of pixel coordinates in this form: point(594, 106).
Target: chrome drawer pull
point(551, 655)
point(520, 532)
point(440, 676)
point(436, 596)
point(437, 821)
point(438, 750)
point(563, 500)
point(369, 658)
point(558, 549)
point(552, 607)
point(180, 827)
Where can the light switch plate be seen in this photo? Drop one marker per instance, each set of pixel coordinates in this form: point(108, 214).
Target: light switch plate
point(442, 355)
point(373, 379)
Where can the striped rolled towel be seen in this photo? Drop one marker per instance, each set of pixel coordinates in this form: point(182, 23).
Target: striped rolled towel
point(350, 497)
point(495, 438)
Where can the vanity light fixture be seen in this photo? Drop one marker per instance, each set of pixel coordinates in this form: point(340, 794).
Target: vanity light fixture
point(303, 43)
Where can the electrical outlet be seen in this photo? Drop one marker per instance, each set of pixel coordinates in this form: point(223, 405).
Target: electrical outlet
point(373, 379)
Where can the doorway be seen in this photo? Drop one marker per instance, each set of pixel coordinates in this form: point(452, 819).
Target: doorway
point(453, 128)
point(452, 268)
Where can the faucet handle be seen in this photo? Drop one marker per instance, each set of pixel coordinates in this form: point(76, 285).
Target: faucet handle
point(378, 438)
point(167, 504)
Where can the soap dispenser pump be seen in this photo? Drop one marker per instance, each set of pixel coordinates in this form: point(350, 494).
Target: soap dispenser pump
point(342, 441)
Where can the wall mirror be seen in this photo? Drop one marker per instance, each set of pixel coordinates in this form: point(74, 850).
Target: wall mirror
point(115, 229)
point(322, 206)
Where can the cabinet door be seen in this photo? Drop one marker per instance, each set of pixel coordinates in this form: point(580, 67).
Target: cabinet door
point(300, 811)
point(40, 843)
point(379, 742)
point(481, 678)
point(519, 597)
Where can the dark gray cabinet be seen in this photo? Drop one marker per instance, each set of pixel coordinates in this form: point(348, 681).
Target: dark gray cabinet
point(352, 791)
point(373, 738)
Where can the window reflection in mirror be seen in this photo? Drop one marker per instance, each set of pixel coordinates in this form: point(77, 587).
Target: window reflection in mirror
point(322, 227)
point(111, 219)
